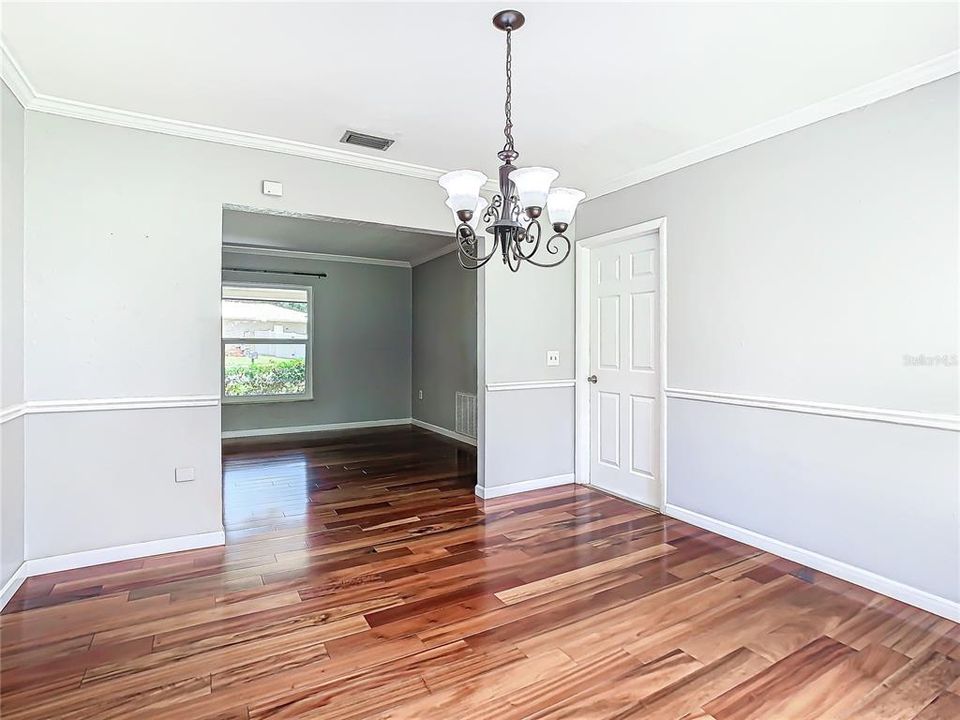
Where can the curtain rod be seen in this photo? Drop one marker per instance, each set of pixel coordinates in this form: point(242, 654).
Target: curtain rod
point(276, 272)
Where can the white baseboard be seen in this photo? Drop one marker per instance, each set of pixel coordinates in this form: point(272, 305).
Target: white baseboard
point(922, 599)
point(11, 586)
point(86, 558)
point(523, 486)
point(443, 431)
point(258, 432)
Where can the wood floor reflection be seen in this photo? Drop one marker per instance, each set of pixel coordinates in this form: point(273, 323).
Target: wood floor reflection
point(362, 578)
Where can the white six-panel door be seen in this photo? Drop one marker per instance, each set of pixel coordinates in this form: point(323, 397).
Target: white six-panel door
point(624, 359)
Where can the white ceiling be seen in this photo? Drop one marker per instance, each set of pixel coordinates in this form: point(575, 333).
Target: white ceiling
point(332, 237)
point(600, 89)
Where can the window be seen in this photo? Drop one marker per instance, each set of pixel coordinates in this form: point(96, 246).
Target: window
point(266, 342)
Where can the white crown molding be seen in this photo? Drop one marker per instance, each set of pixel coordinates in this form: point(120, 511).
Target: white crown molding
point(949, 609)
point(894, 84)
point(14, 78)
point(31, 99)
point(440, 252)
point(444, 431)
point(529, 385)
point(490, 492)
point(851, 412)
point(195, 131)
point(266, 432)
point(307, 255)
point(927, 72)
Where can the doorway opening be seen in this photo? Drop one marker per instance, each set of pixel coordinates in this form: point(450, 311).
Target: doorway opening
point(338, 333)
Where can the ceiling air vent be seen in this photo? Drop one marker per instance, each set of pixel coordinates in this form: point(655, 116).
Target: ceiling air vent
point(352, 137)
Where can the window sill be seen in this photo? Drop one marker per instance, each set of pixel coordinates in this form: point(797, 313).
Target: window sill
point(263, 399)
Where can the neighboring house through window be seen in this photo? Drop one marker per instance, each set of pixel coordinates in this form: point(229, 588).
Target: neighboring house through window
point(266, 335)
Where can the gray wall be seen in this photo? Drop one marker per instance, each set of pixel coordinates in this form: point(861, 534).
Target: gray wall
point(528, 433)
point(11, 333)
point(361, 344)
point(805, 267)
point(444, 338)
point(127, 267)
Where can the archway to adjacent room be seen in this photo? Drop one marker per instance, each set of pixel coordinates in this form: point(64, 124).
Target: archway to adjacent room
point(348, 356)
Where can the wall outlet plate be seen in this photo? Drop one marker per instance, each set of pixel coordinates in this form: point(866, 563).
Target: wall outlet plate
point(185, 474)
point(272, 187)
point(553, 358)
point(420, 394)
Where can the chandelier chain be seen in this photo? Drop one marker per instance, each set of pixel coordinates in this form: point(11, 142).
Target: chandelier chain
point(508, 128)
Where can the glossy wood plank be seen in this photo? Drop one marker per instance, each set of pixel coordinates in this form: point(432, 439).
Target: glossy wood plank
point(362, 578)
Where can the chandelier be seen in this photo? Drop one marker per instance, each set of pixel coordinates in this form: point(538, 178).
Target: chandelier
point(514, 213)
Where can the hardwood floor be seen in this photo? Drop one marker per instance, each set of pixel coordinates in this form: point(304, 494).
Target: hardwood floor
point(363, 579)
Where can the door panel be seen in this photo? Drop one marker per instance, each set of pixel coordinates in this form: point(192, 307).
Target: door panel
point(609, 321)
point(642, 263)
point(643, 429)
point(609, 428)
point(624, 355)
point(642, 327)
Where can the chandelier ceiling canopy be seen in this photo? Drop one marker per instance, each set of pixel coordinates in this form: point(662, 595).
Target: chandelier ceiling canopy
point(512, 216)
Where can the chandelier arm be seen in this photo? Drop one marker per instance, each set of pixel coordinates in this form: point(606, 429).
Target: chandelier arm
point(475, 266)
point(492, 213)
point(515, 210)
point(512, 253)
point(530, 235)
point(554, 250)
point(467, 239)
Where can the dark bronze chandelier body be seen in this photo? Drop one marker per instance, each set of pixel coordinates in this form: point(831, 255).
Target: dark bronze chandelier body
point(512, 229)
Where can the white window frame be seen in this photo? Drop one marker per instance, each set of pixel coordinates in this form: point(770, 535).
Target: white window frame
point(307, 393)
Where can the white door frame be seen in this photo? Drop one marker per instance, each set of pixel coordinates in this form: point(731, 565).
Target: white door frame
point(582, 425)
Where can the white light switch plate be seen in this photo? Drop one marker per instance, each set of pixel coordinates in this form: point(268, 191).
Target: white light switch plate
point(553, 358)
point(272, 187)
point(185, 474)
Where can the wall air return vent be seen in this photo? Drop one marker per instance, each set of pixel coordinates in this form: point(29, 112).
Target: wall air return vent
point(352, 137)
point(466, 414)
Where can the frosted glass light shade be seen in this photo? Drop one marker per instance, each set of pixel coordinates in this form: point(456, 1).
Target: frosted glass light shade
point(463, 188)
point(562, 204)
point(533, 184)
point(477, 213)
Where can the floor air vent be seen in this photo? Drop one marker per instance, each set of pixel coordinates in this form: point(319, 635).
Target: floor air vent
point(467, 414)
point(352, 137)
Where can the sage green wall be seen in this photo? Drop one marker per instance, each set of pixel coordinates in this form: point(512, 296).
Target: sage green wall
point(444, 338)
point(361, 344)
